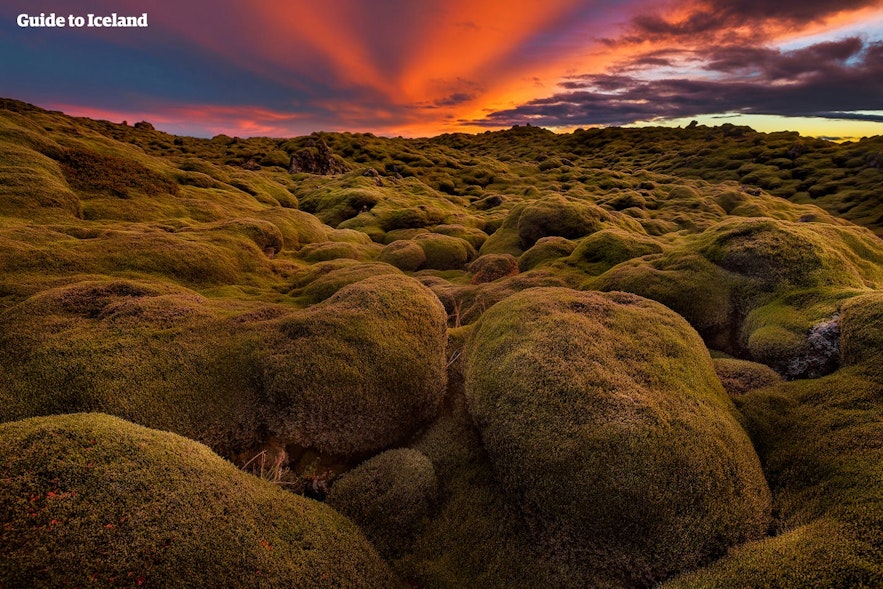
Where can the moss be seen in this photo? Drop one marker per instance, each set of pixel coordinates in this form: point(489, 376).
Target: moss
point(822, 554)
point(87, 170)
point(359, 371)
point(330, 250)
point(475, 237)
point(153, 353)
point(689, 284)
point(326, 285)
point(402, 234)
point(297, 228)
point(349, 236)
point(641, 491)
point(778, 253)
point(404, 255)
point(389, 497)
point(557, 216)
point(604, 249)
point(544, 250)
point(33, 185)
point(493, 267)
point(265, 235)
point(819, 443)
point(444, 252)
point(89, 498)
point(742, 376)
point(861, 328)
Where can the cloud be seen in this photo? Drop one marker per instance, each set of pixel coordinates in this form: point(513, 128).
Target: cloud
point(722, 17)
point(837, 80)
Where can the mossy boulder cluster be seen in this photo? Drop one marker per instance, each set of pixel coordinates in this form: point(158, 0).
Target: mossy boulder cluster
point(92, 499)
point(603, 416)
point(611, 358)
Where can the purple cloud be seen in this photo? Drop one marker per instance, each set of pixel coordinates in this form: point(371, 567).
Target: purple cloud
point(834, 80)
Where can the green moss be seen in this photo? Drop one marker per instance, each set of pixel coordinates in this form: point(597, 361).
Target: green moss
point(742, 376)
point(861, 328)
point(557, 216)
point(389, 496)
point(153, 353)
point(544, 250)
point(493, 267)
point(404, 255)
point(326, 285)
point(822, 554)
point(89, 498)
point(359, 371)
point(265, 235)
point(777, 253)
point(402, 234)
point(689, 284)
point(33, 185)
point(604, 249)
point(819, 443)
point(475, 237)
point(332, 250)
point(444, 252)
point(297, 227)
point(627, 387)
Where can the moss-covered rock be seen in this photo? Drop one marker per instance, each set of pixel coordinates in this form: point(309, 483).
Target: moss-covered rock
point(389, 496)
point(689, 284)
point(335, 279)
point(444, 252)
point(741, 376)
point(359, 371)
point(861, 332)
point(404, 255)
point(819, 441)
point(558, 216)
point(92, 499)
point(331, 250)
point(476, 237)
point(493, 267)
point(603, 416)
point(604, 249)
point(545, 250)
point(152, 353)
point(781, 254)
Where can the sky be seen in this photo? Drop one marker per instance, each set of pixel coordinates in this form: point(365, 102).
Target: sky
point(425, 67)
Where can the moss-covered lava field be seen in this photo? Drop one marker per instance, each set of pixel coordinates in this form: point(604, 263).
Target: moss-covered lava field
point(610, 358)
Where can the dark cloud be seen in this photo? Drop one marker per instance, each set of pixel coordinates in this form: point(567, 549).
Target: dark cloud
point(775, 65)
point(454, 99)
point(831, 80)
point(720, 17)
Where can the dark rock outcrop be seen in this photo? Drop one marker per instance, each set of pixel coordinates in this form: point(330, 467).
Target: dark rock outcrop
point(316, 158)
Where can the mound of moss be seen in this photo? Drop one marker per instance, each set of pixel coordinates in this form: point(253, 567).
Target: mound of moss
point(444, 252)
point(557, 216)
point(389, 497)
point(545, 250)
point(604, 249)
point(91, 499)
point(153, 353)
point(329, 283)
point(861, 332)
point(820, 444)
point(493, 267)
point(602, 415)
point(360, 370)
point(404, 255)
point(741, 376)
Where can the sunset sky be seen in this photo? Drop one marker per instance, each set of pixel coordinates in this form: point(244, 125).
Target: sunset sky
point(413, 68)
